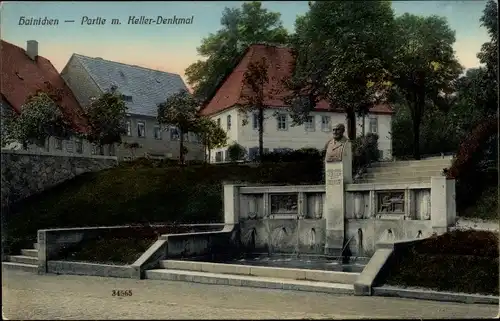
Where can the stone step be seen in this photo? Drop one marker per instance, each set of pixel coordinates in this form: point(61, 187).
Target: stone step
point(30, 252)
point(249, 281)
point(20, 267)
point(398, 180)
point(262, 271)
point(405, 175)
point(402, 169)
point(23, 259)
point(412, 164)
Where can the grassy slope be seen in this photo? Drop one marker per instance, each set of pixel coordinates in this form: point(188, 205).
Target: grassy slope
point(141, 192)
point(458, 261)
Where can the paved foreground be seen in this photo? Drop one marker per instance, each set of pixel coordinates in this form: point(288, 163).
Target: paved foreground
point(30, 296)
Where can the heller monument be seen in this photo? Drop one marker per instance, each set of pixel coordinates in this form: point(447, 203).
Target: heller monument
point(335, 146)
point(338, 172)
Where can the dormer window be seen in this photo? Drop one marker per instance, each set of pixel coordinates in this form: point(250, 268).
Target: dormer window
point(127, 98)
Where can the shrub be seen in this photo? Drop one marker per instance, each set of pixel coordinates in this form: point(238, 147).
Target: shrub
point(460, 242)
point(138, 192)
point(459, 261)
point(300, 155)
point(364, 151)
point(236, 152)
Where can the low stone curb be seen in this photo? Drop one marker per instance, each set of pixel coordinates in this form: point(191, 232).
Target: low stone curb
point(250, 281)
point(91, 269)
point(392, 291)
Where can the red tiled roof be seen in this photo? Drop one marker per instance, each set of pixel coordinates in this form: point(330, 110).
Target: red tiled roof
point(22, 77)
point(280, 62)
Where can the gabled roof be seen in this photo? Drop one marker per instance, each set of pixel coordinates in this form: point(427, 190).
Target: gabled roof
point(280, 60)
point(147, 87)
point(21, 77)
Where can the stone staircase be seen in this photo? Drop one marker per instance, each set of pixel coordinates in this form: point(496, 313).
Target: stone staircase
point(411, 171)
point(255, 276)
point(27, 261)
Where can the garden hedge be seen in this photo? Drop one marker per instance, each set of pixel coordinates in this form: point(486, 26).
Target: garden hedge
point(141, 192)
point(458, 261)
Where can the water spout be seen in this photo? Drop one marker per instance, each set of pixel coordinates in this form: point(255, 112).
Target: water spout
point(248, 239)
point(277, 237)
point(360, 242)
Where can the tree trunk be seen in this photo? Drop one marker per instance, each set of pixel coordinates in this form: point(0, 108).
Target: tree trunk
point(417, 120)
point(261, 132)
point(209, 147)
point(351, 124)
point(181, 147)
point(363, 131)
point(205, 149)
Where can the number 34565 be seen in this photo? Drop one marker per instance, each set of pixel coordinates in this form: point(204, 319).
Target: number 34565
point(121, 293)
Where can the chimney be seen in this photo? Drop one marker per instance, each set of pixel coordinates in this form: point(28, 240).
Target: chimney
point(32, 49)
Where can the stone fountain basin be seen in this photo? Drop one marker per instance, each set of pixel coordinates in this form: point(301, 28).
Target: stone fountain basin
point(251, 267)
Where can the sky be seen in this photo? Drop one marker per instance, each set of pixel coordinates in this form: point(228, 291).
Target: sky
point(172, 48)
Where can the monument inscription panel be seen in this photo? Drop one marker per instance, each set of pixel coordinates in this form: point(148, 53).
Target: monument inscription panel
point(334, 177)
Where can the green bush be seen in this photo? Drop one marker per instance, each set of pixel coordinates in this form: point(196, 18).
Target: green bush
point(364, 151)
point(458, 261)
point(236, 152)
point(136, 194)
point(299, 155)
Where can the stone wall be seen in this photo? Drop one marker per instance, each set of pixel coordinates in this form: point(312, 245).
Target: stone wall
point(25, 173)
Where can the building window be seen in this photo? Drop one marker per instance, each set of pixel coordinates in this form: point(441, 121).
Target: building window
point(253, 153)
point(226, 155)
point(101, 150)
point(282, 123)
point(79, 146)
point(128, 127)
point(218, 157)
point(194, 138)
point(69, 146)
point(255, 121)
point(157, 132)
point(112, 151)
point(186, 137)
point(326, 123)
point(373, 125)
point(218, 122)
point(127, 98)
point(309, 124)
point(174, 134)
point(58, 143)
point(228, 122)
point(95, 149)
point(141, 129)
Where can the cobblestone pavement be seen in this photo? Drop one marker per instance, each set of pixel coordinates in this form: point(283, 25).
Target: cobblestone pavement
point(30, 296)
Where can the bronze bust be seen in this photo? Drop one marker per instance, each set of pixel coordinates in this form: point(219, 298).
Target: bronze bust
point(335, 146)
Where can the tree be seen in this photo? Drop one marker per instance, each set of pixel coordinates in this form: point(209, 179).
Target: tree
point(212, 135)
point(478, 151)
point(424, 67)
point(255, 80)
point(179, 110)
point(40, 118)
point(105, 116)
point(489, 50)
point(222, 50)
point(339, 57)
point(236, 152)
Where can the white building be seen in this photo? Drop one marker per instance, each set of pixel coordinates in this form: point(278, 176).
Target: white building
point(279, 133)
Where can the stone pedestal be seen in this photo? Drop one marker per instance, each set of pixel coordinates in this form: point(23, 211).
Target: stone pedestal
point(337, 174)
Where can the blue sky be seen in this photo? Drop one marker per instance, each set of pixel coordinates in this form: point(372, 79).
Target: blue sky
point(173, 47)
